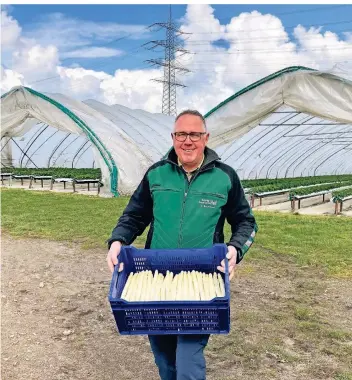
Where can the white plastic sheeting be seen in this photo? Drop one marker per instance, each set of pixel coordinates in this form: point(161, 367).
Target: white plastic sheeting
point(295, 122)
point(122, 141)
point(150, 133)
point(44, 146)
point(320, 94)
point(289, 143)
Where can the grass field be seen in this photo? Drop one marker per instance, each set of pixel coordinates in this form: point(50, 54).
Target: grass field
point(290, 301)
point(316, 241)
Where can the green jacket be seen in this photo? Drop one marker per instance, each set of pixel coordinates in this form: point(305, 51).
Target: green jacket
point(188, 214)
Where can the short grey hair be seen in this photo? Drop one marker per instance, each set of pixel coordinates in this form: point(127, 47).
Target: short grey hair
point(194, 113)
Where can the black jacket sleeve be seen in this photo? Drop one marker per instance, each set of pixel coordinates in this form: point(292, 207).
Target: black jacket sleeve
point(136, 216)
point(239, 215)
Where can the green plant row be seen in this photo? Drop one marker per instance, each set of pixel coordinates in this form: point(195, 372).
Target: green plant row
point(315, 189)
point(339, 195)
point(57, 172)
point(287, 183)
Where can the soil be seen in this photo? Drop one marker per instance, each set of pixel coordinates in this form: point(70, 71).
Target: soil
point(57, 322)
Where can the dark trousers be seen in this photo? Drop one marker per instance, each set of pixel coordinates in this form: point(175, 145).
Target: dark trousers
point(179, 357)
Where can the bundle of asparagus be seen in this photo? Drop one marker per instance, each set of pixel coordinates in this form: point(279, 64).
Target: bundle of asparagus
point(185, 286)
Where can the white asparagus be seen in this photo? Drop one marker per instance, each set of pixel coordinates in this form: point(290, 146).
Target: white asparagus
point(144, 294)
point(211, 286)
point(154, 282)
point(131, 288)
point(151, 289)
point(158, 288)
point(179, 287)
point(192, 295)
point(186, 290)
point(148, 288)
point(195, 286)
point(140, 286)
point(173, 288)
point(134, 289)
point(127, 285)
point(185, 286)
point(162, 287)
point(166, 286)
point(206, 286)
point(201, 286)
point(222, 285)
point(169, 287)
point(216, 285)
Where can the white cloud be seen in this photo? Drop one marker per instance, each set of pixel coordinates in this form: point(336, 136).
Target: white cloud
point(209, 25)
point(324, 49)
point(36, 62)
point(258, 45)
point(9, 79)
point(68, 33)
point(10, 31)
point(93, 52)
point(79, 83)
point(80, 73)
point(133, 88)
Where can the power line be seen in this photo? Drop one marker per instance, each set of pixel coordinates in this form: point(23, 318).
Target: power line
point(283, 27)
point(103, 45)
point(205, 61)
point(170, 64)
point(271, 51)
point(247, 72)
point(285, 13)
point(192, 43)
point(225, 53)
point(221, 72)
point(135, 49)
point(137, 32)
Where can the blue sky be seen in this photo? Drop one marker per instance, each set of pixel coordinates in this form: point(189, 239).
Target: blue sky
point(29, 16)
point(95, 51)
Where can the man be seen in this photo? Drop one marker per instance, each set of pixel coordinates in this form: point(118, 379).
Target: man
point(186, 198)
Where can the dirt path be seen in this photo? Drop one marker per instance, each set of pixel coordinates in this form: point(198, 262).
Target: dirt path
point(57, 323)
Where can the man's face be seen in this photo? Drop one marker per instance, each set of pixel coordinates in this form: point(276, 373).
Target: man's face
point(190, 152)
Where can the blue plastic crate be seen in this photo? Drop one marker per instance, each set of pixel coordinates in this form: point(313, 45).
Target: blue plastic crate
point(170, 317)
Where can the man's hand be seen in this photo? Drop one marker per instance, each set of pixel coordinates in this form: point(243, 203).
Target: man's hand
point(113, 253)
point(232, 257)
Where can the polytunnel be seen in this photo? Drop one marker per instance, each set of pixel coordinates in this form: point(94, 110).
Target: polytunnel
point(59, 131)
point(295, 122)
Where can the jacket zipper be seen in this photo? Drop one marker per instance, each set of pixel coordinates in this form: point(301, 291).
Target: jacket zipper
point(183, 207)
point(184, 201)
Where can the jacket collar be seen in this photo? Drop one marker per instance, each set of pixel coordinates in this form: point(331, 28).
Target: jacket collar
point(210, 156)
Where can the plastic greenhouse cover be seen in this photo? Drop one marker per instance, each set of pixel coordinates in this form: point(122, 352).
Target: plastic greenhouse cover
point(297, 122)
point(134, 141)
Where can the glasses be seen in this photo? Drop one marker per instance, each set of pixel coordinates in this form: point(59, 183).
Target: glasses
point(194, 136)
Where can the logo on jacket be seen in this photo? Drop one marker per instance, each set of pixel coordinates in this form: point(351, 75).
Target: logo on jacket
point(207, 203)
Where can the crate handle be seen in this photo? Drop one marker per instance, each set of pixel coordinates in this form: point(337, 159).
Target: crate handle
point(226, 265)
point(114, 281)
